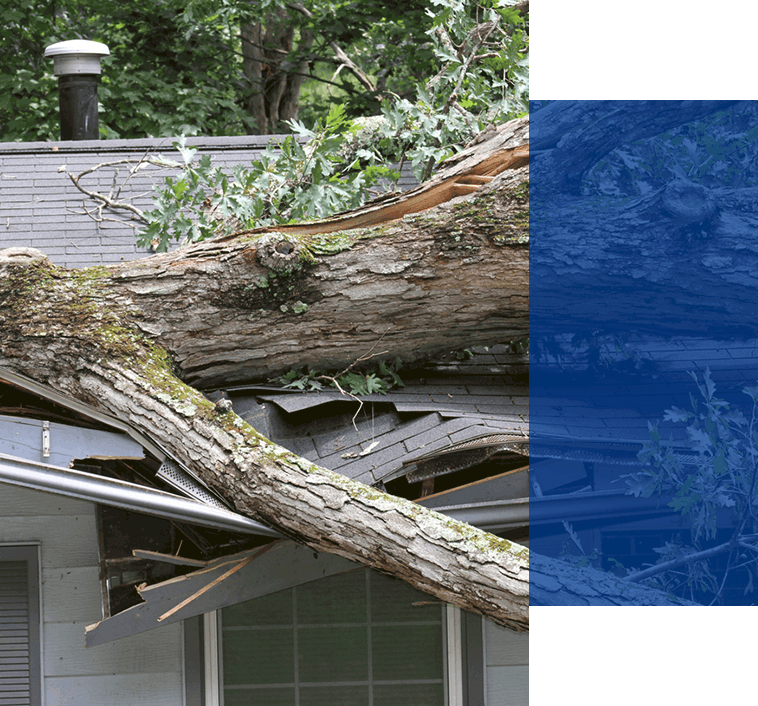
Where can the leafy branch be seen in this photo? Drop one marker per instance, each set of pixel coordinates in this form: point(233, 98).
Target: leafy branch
point(709, 482)
point(355, 384)
point(377, 380)
point(483, 50)
point(471, 91)
point(289, 182)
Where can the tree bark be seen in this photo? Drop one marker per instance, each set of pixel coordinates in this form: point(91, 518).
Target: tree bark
point(276, 69)
point(275, 77)
point(554, 582)
point(686, 248)
point(130, 339)
point(253, 64)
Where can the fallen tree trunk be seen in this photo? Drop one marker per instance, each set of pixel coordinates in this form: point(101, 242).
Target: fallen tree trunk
point(131, 339)
point(687, 248)
point(554, 582)
point(268, 300)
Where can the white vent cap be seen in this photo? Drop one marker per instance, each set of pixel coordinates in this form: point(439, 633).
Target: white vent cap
point(77, 56)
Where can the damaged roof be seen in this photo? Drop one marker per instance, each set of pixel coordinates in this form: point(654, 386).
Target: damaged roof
point(460, 425)
point(481, 400)
point(371, 437)
point(433, 426)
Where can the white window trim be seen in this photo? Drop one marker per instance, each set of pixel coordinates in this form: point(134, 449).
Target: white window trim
point(454, 656)
point(484, 659)
point(212, 680)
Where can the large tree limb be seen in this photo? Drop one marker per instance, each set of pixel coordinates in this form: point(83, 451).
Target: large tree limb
point(127, 339)
point(269, 300)
point(687, 247)
point(115, 369)
point(554, 582)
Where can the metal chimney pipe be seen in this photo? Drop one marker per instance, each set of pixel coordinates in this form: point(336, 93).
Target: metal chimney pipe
point(77, 66)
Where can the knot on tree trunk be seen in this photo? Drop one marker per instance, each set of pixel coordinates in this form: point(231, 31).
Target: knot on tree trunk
point(21, 255)
point(278, 253)
point(688, 202)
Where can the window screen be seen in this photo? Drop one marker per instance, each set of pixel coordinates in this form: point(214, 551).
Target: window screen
point(354, 639)
point(19, 627)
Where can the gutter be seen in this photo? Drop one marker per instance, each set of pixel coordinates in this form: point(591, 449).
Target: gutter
point(127, 496)
point(492, 516)
point(498, 515)
point(601, 504)
point(86, 410)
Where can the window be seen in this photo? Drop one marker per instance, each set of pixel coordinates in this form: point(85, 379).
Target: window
point(352, 639)
point(19, 627)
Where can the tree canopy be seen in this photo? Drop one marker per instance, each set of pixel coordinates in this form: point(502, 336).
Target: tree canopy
point(226, 67)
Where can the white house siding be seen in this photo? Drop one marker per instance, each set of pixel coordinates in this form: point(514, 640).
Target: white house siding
point(139, 670)
point(507, 671)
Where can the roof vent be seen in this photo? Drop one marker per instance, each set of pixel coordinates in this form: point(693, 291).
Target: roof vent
point(173, 474)
point(77, 66)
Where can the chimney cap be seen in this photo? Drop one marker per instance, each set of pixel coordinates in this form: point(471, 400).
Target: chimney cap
point(77, 56)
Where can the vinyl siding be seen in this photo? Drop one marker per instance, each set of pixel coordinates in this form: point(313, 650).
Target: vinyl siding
point(507, 671)
point(137, 671)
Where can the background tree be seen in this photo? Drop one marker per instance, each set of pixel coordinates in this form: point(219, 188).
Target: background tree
point(225, 67)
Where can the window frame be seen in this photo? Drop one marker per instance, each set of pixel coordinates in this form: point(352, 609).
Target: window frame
point(463, 652)
point(30, 554)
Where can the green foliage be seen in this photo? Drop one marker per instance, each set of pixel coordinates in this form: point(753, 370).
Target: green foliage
point(176, 67)
point(288, 182)
point(26, 84)
point(163, 77)
point(481, 53)
point(385, 38)
point(481, 78)
point(714, 485)
point(377, 380)
point(720, 151)
point(306, 380)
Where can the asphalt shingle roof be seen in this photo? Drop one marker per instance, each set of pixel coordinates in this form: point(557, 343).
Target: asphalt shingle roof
point(41, 208)
point(428, 414)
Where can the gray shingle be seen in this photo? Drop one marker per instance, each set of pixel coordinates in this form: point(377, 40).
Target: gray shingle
point(433, 435)
point(29, 177)
point(337, 440)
